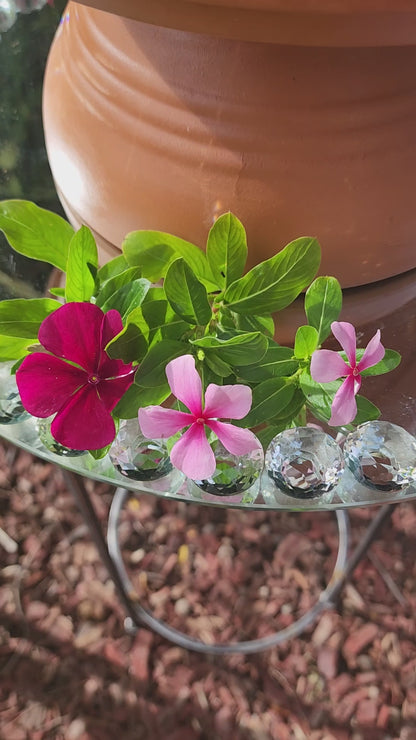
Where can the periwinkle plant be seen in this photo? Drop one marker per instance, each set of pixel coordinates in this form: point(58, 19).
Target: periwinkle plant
point(173, 301)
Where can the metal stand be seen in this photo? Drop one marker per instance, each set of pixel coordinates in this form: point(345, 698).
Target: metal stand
point(138, 616)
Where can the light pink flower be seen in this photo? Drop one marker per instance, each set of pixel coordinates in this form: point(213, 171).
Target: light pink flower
point(192, 453)
point(327, 365)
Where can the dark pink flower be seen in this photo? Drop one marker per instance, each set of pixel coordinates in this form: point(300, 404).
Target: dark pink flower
point(75, 378)
point(327, 365)
point(192, 453)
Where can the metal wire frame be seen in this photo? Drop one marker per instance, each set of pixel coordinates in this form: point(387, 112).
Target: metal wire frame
point(138, 616)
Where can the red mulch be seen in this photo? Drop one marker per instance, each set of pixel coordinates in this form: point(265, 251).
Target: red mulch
point(69, 671)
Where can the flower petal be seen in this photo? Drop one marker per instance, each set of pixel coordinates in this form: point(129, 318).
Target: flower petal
point(84, 423)
point(109, 369)
point(373, 353)
point(185, 382)
point(110, 391)
point(46, 383)
point(111, 326)
point(344, 405)
point(327, 365)
point(227, 401)
point(73, 332)
point(236, 440)
point(344, 332)
point(157, 422)
point(192, 454)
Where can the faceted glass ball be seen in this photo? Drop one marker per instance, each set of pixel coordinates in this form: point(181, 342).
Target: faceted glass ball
point(381, 455)
point(304, 462)
point(139, 458)
point(45, 436)
point(234, 473)
point(11, 408)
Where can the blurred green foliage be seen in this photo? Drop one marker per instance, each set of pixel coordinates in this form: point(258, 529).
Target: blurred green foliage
point(24, 168)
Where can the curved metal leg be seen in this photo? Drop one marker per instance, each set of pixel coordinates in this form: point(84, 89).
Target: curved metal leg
point(143, 617)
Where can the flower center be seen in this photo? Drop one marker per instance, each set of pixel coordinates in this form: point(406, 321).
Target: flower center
point(355, 372)
point(200, 420)
point(93, 379)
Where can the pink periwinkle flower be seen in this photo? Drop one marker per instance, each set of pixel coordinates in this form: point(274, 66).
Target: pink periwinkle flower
point(192, 453)
point(74, 377)
point(327, 365)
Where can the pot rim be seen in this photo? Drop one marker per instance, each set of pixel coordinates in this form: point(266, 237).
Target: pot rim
point(352, 23)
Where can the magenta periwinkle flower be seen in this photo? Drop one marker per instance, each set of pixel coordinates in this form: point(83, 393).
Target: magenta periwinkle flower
point(192, 453)
point(74, 377)
point(327, 365)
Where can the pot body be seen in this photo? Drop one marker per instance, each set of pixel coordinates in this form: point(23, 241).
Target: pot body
point(150, 127)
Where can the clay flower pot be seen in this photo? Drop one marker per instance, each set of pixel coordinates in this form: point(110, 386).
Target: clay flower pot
point(299, 120)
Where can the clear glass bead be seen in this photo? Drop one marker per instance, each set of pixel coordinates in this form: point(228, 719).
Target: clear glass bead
point(139, 458)
point(8, 14)
point(51, 444)
point(304, 462)
point(234, 473)
point(11, 408)
point(381, 456)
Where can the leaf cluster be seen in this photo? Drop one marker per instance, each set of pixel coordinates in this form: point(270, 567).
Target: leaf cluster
point(176, 299)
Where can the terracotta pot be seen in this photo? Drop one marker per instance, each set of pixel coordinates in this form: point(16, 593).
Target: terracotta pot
point(158, 128)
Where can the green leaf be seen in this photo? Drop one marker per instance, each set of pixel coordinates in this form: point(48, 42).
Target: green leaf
point(99, 454)
point(227, 249)
point(265, 324)
point(319, 396)
point(286, 421)
point(112, 268)
point(81, 266)
point(229, 320)
point(16, 366)
point(275, 283)
point(389, 362)
point(277, 362)
point(270, 399)
point(22, 317)
point(323, 303)
point(158, 321)
point(130, 345)
point(292, 412)
point(58, 292)
point(127, 298)
point(12, 348)
point(137, 397)
point(155, 260)
point(114, 284)
point(35, 232)
point(217, 366)
point(154, 316)
point(306, 342)
point(136, 317)
point(366, 411)
point(138, 243)
point(238, 351)
point(266, 434)
point(155, 293)
point(187, 296)
point(151, 372)
point(269, 432)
